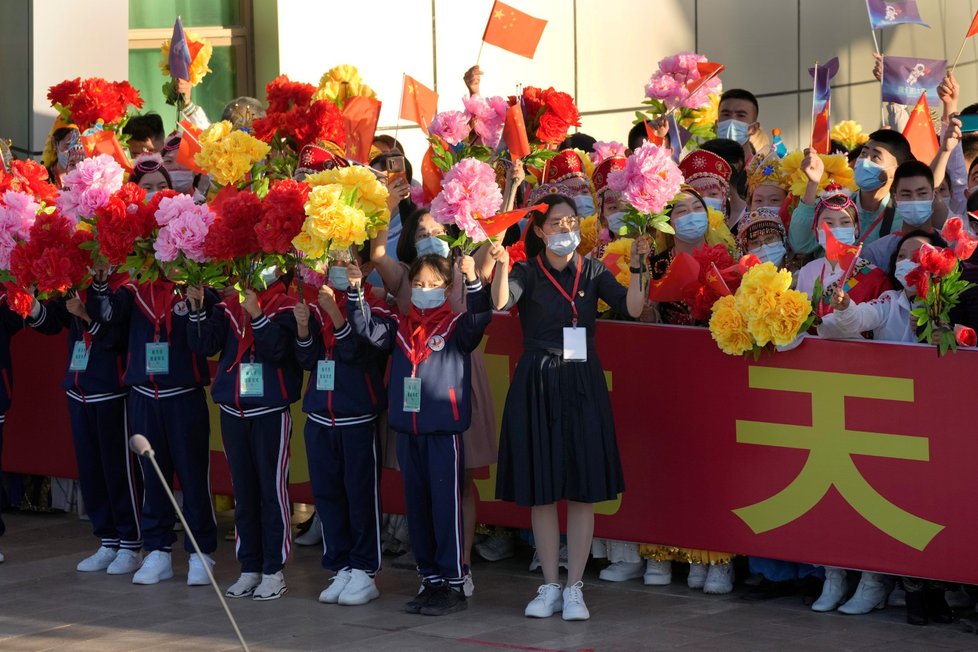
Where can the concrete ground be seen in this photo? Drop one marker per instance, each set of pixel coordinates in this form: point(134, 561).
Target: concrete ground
point(46, 605)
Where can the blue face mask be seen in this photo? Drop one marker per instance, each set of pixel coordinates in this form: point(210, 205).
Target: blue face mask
point(714, 203)
point(432, 245)
point(563, 244)
point(915, 213)
point(692, 226)
point(733, 130)
point(867, 174)
point(904, 267)
point(615, 222)
point(773, 252)
point(844, 234)
point(338, 278)
point(427, 298)
point(585, 205)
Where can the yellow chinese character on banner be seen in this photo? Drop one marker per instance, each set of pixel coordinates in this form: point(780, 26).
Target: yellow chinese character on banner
point(831, 447)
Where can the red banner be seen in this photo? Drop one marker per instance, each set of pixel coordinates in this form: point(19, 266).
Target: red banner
point(858, 455)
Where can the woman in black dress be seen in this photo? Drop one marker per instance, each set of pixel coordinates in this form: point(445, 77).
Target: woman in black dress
point(558, 437)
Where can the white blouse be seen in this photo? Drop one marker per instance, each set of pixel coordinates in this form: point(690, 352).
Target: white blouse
point(888, 317)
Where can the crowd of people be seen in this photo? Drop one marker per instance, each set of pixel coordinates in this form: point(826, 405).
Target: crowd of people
point(382, 350)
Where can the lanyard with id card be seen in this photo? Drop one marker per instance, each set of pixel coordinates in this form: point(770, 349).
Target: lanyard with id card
point(79, 356)
point(158, 358)
point(412, 394)
point(326, 375)
point(251, 380)
point(575, 339)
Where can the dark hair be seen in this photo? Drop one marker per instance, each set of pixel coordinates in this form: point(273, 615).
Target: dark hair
point(894, 142)
point(855, 152)
point(971, 109)
point(741, 94)
point(60, 134)
point(911, 169)
point(837, 147)
point(932, 238)
point(148, 126)
point(388, 140)
point(442, 266)
point(148, 164)
point(407, 251)
point(579, 141)
point(969, 146)
point(729, 150)
point(534, 243)
point(636, 136)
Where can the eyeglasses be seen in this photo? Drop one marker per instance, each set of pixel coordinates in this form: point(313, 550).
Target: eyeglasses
point(571, 222)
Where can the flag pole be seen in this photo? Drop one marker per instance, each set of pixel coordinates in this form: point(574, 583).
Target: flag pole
point(400, 107)
point(811, 134)
point(960, 50)
point(478, 57)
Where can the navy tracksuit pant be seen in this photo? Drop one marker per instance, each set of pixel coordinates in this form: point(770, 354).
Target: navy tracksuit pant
point(3, 528)
point(344, 470)
point(433, 468)
point(178, 429)
point(106, 470)
point(257, 450)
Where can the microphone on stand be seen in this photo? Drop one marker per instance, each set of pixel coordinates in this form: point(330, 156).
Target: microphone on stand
point(139, 445)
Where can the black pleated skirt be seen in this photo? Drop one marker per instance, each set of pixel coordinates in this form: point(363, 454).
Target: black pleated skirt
point(558, 437)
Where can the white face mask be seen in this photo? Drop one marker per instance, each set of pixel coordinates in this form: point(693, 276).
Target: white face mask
point(269, 275)
point(615, 222)
point(904, 267)
point(773, 252)
point(915, 213)
point(183, 180)
point(733, 130)
point(563, 244)
point(585, 205)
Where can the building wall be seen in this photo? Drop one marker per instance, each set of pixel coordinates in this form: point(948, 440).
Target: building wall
point(603, 51)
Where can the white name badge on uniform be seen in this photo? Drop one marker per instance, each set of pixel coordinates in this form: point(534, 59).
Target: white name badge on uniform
point(251, 381)
point(79, 357)
point(326, 375)
point(575, 344)
point(157, 357)
point(412, 394)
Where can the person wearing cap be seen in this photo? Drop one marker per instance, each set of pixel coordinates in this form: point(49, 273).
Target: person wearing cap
point(762, 234)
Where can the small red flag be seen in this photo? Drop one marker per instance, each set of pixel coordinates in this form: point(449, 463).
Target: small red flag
point(106, 142)
point(683, 270)
point(418, 103)
point(360, 116)
point(843, 255)
point(431, 174)
point(707, 70)
point(821, 133)
point(974, 27)
point(514, 133)
point(714, 279)
point(513, 30)
point(919, 132)
point(650, 135)
point(189, 147)
point(498, 223)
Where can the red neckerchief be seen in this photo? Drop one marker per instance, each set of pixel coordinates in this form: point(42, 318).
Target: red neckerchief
point(326, 322)
point(273, 301)
point(155, 300)
point(415, 329)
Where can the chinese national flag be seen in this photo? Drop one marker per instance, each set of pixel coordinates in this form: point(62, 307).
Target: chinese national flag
point(497, 224)
point(974, 27)
point(683, 270)
point(511, 29)
point(189, 147)
point(431, 174)
point(650, 135)
point(821, 134)
point(919, 132)
point(714, 279)
point(418, 103)
point(514, 133)
point(842, 255)
point(106, 142)
point(707, 70)
point(360, 116)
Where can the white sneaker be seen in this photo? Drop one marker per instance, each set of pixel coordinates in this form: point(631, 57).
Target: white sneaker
point(574, 607)
point(361, 589)
point(697, 576)
point(658, 573)
point(548, 601)
point(331, 594)
point(468, 587)
point(156, 568)
point(314, 535)
point(125, 562)
point(870, 594)
point(197, 575)
point(719, 579)
point(495, 548)
point(622, 571)
point(272, 587)
point(99, 561)
point(1, 557)
point(245, 586)
point(833, 590)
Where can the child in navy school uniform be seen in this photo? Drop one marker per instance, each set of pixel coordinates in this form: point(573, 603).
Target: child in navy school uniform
point(257, 378)
point(343, 398)
point(10, 323)
point(167, 405)
point(429, 408)
point(97, 407)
